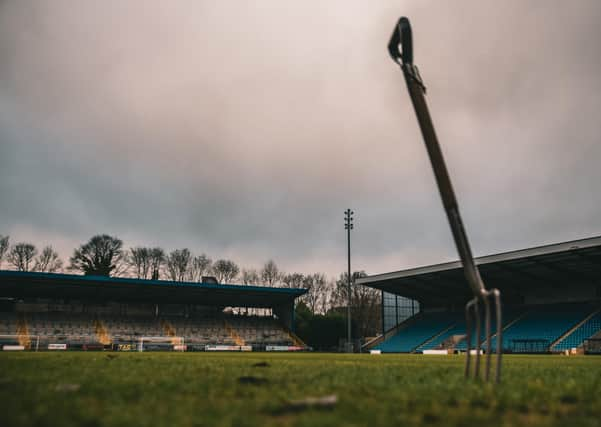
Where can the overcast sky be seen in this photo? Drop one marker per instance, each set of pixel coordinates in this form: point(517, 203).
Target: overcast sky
point(245, 129)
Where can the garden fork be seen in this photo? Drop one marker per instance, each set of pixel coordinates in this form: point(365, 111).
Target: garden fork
point(401, 51)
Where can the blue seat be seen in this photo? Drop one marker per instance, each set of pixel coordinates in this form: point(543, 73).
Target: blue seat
point(534, 332)
point(419, 329)
point(541, 326)
point(589, 328)
point(509, 315)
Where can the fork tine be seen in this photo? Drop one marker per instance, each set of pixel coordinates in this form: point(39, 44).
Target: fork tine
point(468, 336)
point(478, 338)
point(487, 333)
point(499, 314)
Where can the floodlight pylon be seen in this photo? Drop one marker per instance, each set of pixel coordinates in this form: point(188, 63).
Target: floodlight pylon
point(348, 226)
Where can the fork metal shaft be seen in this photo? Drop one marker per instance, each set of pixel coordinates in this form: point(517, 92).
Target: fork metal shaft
point(402, 37)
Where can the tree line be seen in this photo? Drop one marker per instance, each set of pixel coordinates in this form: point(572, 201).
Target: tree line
point(104, 255)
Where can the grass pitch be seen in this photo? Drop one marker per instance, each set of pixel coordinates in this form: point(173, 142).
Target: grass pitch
point(223, 389)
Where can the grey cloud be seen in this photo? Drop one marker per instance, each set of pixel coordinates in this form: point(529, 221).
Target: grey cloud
point(245, 130)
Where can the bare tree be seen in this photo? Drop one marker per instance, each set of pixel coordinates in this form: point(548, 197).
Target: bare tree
point(3, 247)
point(102, 255)
point(21, 256)
point(201, 266)
point(157, 259)
point(317, 292)
point(270, 273)
point(326, 300)
point(340, 291)
point(250, 277)
point(366, 309)
point(293, 280)
point(365, 303)
point(48, 261)
point(225, 270)
point(138, 259)
point(178, 264)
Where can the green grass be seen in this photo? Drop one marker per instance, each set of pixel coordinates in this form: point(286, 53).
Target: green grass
point(170, 389)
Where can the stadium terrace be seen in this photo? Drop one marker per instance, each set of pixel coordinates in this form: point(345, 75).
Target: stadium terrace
point(552, 296)
point(64, 311)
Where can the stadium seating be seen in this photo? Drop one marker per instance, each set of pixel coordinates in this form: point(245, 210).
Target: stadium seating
point(527, 330)
point(417, 331)
point(257, 330)
point(509, 315)
point(123, 328)
point(79, 329)
point(439, 341)
point(57, 328)
point(589, 328)
point(541, 326)
point(8, 323)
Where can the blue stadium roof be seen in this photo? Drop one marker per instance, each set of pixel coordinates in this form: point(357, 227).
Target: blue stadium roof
point(19, 284)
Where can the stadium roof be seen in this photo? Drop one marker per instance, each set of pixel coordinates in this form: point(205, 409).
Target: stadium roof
point(544, 267)
point(18, 284)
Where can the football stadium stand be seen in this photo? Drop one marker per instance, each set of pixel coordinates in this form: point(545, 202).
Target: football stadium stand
point(418, 331)
point(527, 330)
point(551, 296)
point(510, 316)
point(587, 329)
point(56, 311)
point(77, 329)
point(541, 326)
